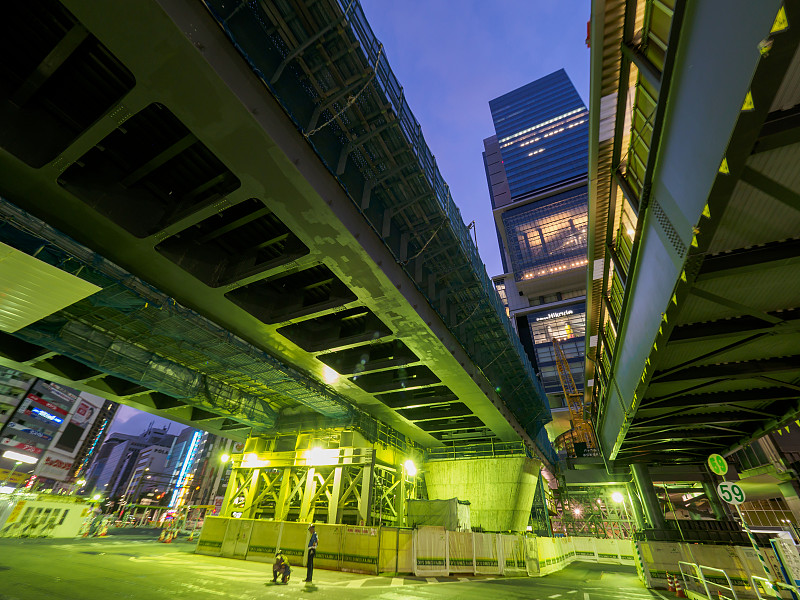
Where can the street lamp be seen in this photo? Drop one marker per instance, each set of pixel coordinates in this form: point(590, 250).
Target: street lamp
point(224, 458)
point(617, 497)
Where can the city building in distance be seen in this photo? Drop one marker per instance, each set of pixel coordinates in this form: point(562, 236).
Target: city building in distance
point(536, 168)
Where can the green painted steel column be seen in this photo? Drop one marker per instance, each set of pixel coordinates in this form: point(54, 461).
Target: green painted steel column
point(647, 494)
point(713, 500)
point(638, 517)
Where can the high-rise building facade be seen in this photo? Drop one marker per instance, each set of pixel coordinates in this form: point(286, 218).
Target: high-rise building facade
point(536, 168)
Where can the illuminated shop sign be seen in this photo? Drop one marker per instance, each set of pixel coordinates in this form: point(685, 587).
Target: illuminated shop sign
point(45, 415)
point(555, 315)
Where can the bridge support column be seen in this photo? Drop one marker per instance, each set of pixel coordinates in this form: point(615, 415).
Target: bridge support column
point(644, 487)
point(713, 500)
point(789, 491)
point(500, 489)
point(636, 506)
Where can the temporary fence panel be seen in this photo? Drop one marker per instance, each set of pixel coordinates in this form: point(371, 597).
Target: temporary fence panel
point(330, 549)
point(211, 536)
point(294, 542)
point(513, 554)
point(39, 517)
point(585, 548)
point(430, 551)
point(659, 559)
point(264, 540)
point(486, 554)
point(237, 538)
point(531, 556)
point(360, 549)
point(388, 539)
point(405, 551)
point(460, 551)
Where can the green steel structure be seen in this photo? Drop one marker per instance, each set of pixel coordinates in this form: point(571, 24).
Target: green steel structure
point(692, 312)
point(272, 245)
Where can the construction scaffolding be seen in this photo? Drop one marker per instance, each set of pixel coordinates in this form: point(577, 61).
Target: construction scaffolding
point(345, 484)
point(591, 511)
point(581, 432)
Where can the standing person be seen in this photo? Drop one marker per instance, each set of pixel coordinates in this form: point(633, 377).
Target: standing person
point(312, 551)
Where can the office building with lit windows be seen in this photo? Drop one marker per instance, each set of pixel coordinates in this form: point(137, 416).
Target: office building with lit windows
point(536, 167)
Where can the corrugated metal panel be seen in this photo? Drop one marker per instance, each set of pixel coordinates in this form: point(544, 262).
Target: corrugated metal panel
point(789, 93)
point(751, 218)
point(766, 289)
point(779, 165)
point(31, 289)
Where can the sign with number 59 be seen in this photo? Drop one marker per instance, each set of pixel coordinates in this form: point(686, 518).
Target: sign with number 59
point(730, 492)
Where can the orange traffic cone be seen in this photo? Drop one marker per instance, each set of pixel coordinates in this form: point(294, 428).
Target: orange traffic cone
point(191, 535)
point(670, 583)
point(168, 539)
point(103, 530)
point(679, 593)
point(163, 535)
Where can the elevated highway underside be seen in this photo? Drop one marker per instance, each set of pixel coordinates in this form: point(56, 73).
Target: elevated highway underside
point(243, 283)
point(705, 356)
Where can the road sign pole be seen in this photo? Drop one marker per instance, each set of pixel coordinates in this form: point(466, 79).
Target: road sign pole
point(755, 544)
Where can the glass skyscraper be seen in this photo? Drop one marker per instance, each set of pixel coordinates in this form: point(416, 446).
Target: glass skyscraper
point(536, 168)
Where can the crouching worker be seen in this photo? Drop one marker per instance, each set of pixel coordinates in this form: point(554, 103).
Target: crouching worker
point(281, 568)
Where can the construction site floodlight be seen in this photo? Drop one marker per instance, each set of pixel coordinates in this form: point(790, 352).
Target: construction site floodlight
point(23, 458)
point(329, 375)
point(317, 456)
point(97, 497)
point(617, 497)
point(411, 468)
point(577, 511)
point(224, 458)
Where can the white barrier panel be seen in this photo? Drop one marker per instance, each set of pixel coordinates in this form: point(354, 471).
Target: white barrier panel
point(487, 560)
point(264, 540)
point(360, 549)
point(42, 516)
point(427, 551)
point(430, 551)
point(460, 551)
point(211, 536)
point(514, 555)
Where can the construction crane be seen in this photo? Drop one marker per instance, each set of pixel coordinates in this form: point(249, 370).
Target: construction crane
point(581, 429)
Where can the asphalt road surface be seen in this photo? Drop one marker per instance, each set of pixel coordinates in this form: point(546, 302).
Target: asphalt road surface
point(122, 567)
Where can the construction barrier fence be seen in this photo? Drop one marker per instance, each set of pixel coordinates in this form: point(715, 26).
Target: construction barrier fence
point(740, 563)
point(425, 551)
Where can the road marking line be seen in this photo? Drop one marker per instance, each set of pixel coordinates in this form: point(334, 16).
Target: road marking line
point(463, 578)
point(356, 584)
point(585, 595)
point(659, 595)
point(431, 580)
point(396, 581)
point(572, 592)
point(554, 596)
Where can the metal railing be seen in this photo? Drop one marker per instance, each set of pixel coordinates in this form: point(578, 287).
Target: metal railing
point(700, 583)
point(773, 588)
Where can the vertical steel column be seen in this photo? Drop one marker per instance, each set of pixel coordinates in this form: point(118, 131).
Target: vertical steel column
point(336, 492)
point(308, 494)
point(282, 506)
point(365, 501)
point(647, 494)
point(248, 511)
point(713, 500)
point(638, 517)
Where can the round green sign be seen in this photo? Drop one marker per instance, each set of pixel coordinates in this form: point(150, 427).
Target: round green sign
point(718, 464)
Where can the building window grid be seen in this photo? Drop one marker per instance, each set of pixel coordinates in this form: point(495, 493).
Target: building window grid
point(562, 328)
point(549, 238)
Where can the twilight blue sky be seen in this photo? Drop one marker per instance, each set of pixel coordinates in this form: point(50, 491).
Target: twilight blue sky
point(453, 56)
point(133, 421)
